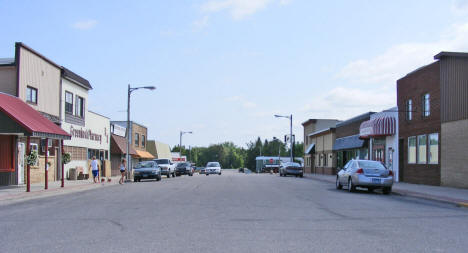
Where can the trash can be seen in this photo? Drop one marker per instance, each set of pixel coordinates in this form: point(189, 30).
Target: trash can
point(72, 174)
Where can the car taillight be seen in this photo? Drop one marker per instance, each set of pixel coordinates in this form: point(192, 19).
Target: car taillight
point(359, 171)
point(390, 173)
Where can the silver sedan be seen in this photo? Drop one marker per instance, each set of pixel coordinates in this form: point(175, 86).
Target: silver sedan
point(367, 174)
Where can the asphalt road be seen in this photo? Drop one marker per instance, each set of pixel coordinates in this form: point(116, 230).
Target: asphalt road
point(231, 213)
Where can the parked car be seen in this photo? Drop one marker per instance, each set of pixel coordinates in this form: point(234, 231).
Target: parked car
point(291, 168)
point(146, 170)
point(213, 168)
point(365, 173)
point(184, 169)
point(202, 170)
point(241, 170)
point(167, 167)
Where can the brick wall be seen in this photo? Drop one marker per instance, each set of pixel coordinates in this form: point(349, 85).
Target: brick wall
point(454, 164)
point(414, 86)
point(141, 131)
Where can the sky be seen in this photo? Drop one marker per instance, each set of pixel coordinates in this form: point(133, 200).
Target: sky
point(224, 68)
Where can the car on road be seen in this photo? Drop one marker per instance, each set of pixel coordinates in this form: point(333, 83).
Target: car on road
point(167, 167)
point(290, 168)
point(146, 170)
point(201, 170)
point(184, 169)
point(367, 174)
point(213, 168)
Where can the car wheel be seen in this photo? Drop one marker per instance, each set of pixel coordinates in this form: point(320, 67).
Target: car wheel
point(387, 190)
point(370, 189)
point(207, 174)
point(301, 175)
point(135, 180)
point(168, 175)
point(351, 186)
point(338, 184)
point(219, 174)
point(158, 178)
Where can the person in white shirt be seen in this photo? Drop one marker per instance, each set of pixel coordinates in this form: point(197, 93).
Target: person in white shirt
point(94, 166)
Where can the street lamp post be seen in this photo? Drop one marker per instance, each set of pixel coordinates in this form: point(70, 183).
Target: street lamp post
point(127, 155)
point(180, 142)
point(291, 135)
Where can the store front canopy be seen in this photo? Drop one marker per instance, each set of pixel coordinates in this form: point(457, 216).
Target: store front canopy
point(348, 142)
point(119, 146)
point(383, 126)
point(18, 118)
point(144, 154)
point(310, 149)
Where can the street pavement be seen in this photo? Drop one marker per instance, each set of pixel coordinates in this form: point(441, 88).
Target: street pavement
point(233, 212)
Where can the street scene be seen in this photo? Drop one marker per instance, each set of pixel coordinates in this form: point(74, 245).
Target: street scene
point(234, 212)
point(234, 126)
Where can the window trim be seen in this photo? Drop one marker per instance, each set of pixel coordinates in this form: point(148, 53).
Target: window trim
point(417, 150)
point(143, 140)
point(137, 140)
point(409, 109)
point(30, 88)
point(72, 102)
point(82, 109)
point(408, 153)
point(429, 148)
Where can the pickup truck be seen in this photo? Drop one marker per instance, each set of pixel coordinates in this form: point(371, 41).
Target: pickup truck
point(167, 167)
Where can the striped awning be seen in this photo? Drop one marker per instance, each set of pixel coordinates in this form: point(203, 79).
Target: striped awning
point(382, 126)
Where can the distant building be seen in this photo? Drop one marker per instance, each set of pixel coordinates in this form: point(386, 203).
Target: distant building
point(159, 150)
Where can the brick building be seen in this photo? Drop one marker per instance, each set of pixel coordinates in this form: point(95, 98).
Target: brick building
point(418, 100)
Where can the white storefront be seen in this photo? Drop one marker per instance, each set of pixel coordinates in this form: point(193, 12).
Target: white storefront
point(90, 133)
point(382, 132)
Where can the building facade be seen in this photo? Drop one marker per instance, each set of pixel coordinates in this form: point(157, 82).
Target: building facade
point(322, 153)
point(418, 100)
point(382, 133)
point(311, 126)
point(347, 144)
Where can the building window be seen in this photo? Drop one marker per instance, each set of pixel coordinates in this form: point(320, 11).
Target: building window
point(434, 148)
point(409, 109)
point(412, 149)
point(68, 102)
point(31, 95)
point(422, 149)
point(325, 160)
point(137, 139)
point(79, 108)
point(143, 140)
point(426, 105)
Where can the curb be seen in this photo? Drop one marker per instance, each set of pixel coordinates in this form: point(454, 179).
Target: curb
point(456, 202)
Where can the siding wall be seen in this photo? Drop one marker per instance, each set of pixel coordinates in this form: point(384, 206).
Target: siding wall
point(454, 164)
point(454, 88)
point(45, 77)
point(8, 80)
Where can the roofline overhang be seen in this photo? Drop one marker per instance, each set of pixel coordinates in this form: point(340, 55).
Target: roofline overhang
point(21, 44)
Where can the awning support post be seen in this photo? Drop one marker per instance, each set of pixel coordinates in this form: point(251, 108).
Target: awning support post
point(63, 165)
point(28, 167)
point(46, 174)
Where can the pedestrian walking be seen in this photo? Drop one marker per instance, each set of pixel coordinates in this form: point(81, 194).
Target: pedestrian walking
point(94, 166)
point(123, 166)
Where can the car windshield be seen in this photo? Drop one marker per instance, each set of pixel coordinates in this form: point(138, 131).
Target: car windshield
point(292, 164)
point(371, 165)
point(181, 165)
point(144, 165)
point(214, 164)
point(162, 161)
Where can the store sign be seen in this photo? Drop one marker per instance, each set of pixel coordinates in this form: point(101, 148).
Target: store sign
point(118, 130)
point(85, 134)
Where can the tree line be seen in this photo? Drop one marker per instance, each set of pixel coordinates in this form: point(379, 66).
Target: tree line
point(231, 156)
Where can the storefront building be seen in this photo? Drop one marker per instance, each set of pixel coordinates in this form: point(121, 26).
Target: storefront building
point(321, 148)
point(418, 101)
point(347, 144)
point(311, 126)
point(23, 130)
point(454, 118)
point(159, 150)
point(381, 131)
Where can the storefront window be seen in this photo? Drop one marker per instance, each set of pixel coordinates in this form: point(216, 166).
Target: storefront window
point(412, 149)
point(422, 149)
point(434, 148)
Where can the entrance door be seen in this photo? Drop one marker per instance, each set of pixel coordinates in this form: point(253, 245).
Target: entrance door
point(58, 164)
point(401, 159)
point(21, 153)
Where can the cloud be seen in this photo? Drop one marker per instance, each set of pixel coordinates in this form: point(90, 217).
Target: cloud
point(459, 7)
point(237, 8)
point(242, 101)
point(85, 24)
point(201, 23)
point(400, 59)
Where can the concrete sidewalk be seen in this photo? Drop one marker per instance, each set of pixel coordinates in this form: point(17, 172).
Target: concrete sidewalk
point(450, 195)
point(15, 193)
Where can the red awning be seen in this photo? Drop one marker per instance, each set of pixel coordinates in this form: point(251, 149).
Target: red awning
point(29, 119)
point(382, 126)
